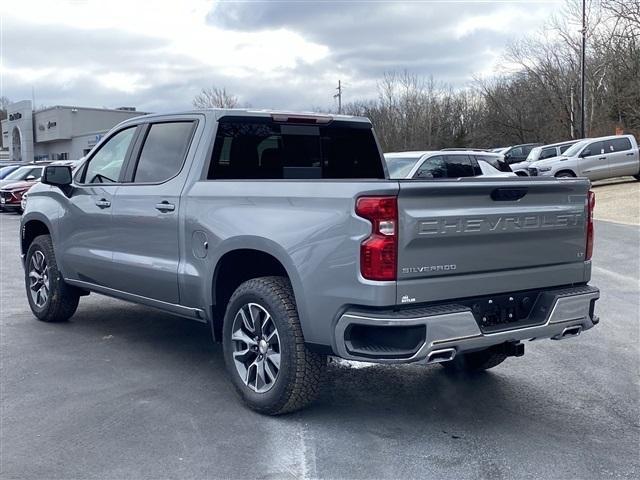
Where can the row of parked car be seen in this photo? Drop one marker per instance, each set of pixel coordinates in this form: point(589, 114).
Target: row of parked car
point(594, 158)
point(17, 178)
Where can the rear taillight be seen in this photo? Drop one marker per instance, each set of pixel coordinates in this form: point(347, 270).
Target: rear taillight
point(379, 251)
point(591, 203)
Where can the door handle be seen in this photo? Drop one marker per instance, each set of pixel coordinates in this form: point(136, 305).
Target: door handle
point(165, 206)
point(602, 158)
point(630, 154)
point(103, 203)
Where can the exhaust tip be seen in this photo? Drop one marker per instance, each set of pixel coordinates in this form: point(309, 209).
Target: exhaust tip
point(443, 355)
point(569, 332)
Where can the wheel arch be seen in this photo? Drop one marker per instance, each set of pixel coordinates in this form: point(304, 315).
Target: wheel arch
point(565, 170)
point(241, 262)
point(31, 228)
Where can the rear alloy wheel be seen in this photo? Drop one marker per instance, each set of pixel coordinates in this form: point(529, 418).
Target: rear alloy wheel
point(267, 360)
point(50, 298)
point(256, 347)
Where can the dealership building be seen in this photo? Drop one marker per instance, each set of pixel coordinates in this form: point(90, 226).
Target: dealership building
point(57, 133)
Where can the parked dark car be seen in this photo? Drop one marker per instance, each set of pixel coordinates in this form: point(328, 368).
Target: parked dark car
point(519, 153)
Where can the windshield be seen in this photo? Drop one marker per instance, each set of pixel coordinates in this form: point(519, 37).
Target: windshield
point(4, 171)
point(399, 167)
point(575, 148)
point(18, 174)
point(534, 154)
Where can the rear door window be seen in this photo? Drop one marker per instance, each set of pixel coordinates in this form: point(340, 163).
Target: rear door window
point(459, 166)
point(617, 145)
point(260, 148)
point(163, 151)
point(448, 166)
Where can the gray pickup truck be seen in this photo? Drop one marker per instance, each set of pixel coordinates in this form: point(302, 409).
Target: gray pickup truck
point(284, 233)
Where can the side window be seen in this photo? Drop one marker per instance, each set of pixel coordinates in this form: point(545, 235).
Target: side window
point(36, 173)
point(433, 167)
point(595, 148)
point(618, 145)
point(547, 153)
point(459, 166)
point(563, 148)
point(516, 152)
point(163, 152)
point(106, 164)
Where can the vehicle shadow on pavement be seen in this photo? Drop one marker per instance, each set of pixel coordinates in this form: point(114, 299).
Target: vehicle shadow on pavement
point(178, 345)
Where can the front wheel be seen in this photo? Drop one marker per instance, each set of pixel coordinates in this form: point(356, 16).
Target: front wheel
point(564, 175)
point(264, 350)
point(474, 362)
point(50, 298)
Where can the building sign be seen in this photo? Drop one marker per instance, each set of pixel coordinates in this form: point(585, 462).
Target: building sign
point(15, 116)
point(51, 125)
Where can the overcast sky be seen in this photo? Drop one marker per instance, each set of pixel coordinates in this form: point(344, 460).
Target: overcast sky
point(157, 55)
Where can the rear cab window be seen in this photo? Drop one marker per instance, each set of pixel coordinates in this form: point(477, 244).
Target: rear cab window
point(261, 148)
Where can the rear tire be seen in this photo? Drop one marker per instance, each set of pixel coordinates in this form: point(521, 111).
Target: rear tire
point(565, 175)
point(265, 355)
point(474, 362)
point(49, 296)
point(637, 177)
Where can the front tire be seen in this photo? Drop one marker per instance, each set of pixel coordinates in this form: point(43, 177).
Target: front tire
point(475, 362)
point(50, 298)
point(265, 355)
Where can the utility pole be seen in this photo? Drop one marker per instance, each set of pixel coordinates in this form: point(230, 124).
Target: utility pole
point(573, 120)
point(582, 67)
point(339, 97)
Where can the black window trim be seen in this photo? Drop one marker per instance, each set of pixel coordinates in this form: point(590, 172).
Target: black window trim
point(79, 177)
point(134, 158)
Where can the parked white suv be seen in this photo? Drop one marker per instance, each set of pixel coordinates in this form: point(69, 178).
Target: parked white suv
point(594, 158)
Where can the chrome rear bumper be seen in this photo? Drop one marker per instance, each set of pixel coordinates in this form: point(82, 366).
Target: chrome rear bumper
point(453, 327)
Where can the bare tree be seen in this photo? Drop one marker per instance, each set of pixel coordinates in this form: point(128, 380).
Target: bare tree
point(215, 97)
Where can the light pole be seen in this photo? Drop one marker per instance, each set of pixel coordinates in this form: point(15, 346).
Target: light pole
point(582, 67)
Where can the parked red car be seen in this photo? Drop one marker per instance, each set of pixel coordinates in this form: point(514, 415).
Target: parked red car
point(11, 195)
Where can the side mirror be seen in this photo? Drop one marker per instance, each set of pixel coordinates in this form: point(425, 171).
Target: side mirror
point(57, 175)
point(30, 177)
point(585, 153)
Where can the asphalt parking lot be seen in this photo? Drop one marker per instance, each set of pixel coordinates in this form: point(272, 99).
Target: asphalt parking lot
point(123, 391)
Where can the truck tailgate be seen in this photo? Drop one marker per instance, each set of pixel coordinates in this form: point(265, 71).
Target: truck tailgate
point(461, 238)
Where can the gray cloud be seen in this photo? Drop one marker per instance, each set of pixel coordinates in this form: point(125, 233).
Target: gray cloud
point(364, 40)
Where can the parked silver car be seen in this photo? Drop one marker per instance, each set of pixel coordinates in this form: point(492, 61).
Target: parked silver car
point(594, 158)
